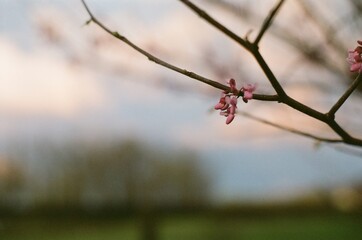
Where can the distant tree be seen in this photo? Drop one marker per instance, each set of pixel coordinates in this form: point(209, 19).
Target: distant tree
point(12, 182)
point(125, 174)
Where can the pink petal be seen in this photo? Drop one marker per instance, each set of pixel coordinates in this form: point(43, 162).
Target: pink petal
point(357, 67)
point(219, 106)
point(232, 84)
point(248, 95)
point(232, 110)
point(226, 106)
point(358, 50)
point(357, 57)
point(230, 118)
point(234, 101)
point(249, 87)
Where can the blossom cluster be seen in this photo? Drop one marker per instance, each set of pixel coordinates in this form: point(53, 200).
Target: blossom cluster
point(229, 99)
point(355, 58)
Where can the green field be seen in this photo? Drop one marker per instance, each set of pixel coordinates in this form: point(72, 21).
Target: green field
point(179, 227)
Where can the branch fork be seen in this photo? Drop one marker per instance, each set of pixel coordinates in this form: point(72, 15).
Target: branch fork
point(253, 48)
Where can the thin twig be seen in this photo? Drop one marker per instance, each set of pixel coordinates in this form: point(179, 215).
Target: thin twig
point(247, 45)
point(291, 130)
point(352, 152)
point(345, 96)
point(153, 58)
point(262, 97)
point(269, 73)
point(268, 21)
point(215, 23)
point(284, 98)
point(281, 95)
point(312, 52)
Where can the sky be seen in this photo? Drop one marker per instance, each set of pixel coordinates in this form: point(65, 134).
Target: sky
point(61, 80)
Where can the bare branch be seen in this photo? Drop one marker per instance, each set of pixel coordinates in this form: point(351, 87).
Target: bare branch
point(284, 98)
point(311, 51)
point(154, 58)
point(345, 96)
point(262, 97)
point(269, 73)
point(291, 130)
point(246, 44)
point(268, 21)
point(281, 96)
point(216, 24)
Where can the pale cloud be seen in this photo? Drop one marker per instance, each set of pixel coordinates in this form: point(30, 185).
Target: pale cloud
point(40, 83)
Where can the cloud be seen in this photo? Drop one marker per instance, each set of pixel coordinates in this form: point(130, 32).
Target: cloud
point(41, 83)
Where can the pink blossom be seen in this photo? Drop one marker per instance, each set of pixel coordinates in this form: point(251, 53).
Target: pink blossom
point(230, 112)
point(248, 91)
point(232, 84)
point(223, 102)
point(228, 101)
point(230, 118)
point(234, 101)
point(355, 58)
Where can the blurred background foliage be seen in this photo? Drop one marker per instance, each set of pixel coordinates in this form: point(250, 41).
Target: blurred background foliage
point(131, 190)
point(105, 174)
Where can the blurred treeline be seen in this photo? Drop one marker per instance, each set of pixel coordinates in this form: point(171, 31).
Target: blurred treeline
point(128, 176)
point(102, 175)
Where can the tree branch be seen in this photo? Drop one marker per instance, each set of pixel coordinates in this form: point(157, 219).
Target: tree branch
point(345, 96)
point(281, 96)
point(291, 130)
point(154, 58)
point(268, 21)
point(262, 97)
point(216, 24)
point(246, 44)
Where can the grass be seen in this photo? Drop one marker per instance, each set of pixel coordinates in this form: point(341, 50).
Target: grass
point(270, 228)
point(190, 227)
point(64, 229)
